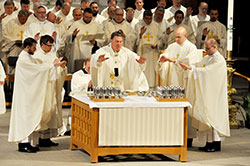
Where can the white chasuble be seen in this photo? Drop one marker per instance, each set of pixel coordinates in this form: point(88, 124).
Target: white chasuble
point(217, 31)
point(81, 49)
point(148, 40)
point(31, 79)
point(12, 32)
point(208, 83)
point(130, 73)
point(172, 73)
point(52, 111)
point(79, 82)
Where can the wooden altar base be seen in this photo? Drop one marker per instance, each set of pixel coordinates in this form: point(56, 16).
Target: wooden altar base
point(85, 132)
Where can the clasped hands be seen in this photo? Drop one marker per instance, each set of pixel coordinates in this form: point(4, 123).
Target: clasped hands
point(183, 65)
point(58, 62)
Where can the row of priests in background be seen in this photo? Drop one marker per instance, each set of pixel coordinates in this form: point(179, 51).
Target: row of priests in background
point(78, 31)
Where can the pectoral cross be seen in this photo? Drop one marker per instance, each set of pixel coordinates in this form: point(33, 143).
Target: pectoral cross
point(177, 57)
point(211, 35)
point(148, 37)
point(20, 35)
point(86, 33)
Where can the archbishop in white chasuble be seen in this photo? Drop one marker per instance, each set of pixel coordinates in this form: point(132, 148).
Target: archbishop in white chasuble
point(114, 65)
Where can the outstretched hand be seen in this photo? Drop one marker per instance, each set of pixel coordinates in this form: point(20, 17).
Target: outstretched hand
point(102, 58)
point(165, 59)
point(184, 66)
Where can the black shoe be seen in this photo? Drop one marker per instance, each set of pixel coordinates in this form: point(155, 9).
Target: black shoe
point(67, 133)
point(189, 142)
point(46, 143)
point(208, 148)
point(26, 147)
point(217, 146)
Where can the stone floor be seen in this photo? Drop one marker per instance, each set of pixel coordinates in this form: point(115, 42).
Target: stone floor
point(235, 151)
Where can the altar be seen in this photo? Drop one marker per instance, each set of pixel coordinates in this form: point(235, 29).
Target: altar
point(139, 125)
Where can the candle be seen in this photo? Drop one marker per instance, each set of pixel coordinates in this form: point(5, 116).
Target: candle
point(230, 25)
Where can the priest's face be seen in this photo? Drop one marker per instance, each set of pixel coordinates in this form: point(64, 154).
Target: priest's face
point(95, 8)
point(77, 14)
point(41, 14)
point(25, 7)
point(22, 19)
point(87, 17)
point(47, 47)
point(32, 49)
point(179, 18)
point(147, 19)
point(116, 43)
point(180, 36)
point(162, 3)
point(118, 15)
point(9, 9)
point(158, 16)
point(214, 15)
point(139, 4)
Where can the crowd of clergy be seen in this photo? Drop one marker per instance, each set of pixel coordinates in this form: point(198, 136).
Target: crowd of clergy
point(142, 48)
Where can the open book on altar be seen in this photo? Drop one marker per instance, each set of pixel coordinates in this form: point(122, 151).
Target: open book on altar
point(92, 37)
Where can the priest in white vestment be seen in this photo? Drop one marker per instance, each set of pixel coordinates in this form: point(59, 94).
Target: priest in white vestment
point(64, 14)
point(158, 18)
point(139, 9)
point(213, 29)
point(13, 35)
point(162, 3)
point(208, 86)
point(77, 15)
point(182, 50)
point(117, 66)
point(94, 6)
point(119, 23)
point(2, 95)
point(200, 18)
point(82, 48)
point(53, 125)
point(170, 12)
point(16, 5)
point(130, 17)
point(81, 79)
point(171, 72)
point(9, 10)
point(27, 112)
point(42, 27)
point(104, 12)
point(147, 45)
point(179, 17)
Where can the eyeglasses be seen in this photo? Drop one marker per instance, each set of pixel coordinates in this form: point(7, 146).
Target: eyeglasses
point(208, 48)
point(41, 12)
point(49, 45)
point(121, 15)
